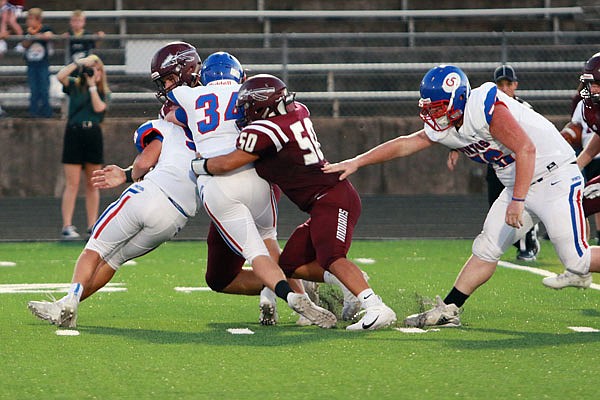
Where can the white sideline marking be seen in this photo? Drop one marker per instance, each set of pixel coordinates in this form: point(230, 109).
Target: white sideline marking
point(416, 330)
point(52, 287)
point(583, 329)
point(365, 260)
point(537, 271)
point(240, 331)
point(67, 332)
point(189, 289)
point(8, 264)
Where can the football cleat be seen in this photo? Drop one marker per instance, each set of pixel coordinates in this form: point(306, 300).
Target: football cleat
point(68, 312)
point(526, 255)
point(303, 321)
point(568, 279)
point(375, 317)
point(46, 310)
point(442, 315)
point(268, 307)
point(319, 316)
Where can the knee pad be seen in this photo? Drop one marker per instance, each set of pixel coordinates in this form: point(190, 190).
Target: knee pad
point(486, 249)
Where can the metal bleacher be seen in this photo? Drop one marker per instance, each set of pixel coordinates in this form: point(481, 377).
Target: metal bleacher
point(343, 73)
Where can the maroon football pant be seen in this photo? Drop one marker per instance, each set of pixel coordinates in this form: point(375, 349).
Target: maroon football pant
point(327, 235)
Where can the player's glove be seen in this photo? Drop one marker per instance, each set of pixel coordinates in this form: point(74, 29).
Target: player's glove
point(592, 191)
point(199, 166)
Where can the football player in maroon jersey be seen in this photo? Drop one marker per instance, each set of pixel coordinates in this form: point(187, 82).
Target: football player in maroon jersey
point(589, 91)
point(278, 136)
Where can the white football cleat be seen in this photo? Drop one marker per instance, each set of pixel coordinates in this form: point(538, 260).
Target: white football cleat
point(375, 317)
point(568, 279)
point(68, 311)
point(46, 310)
point(303, 321)
point(268, 307)
point(442, 315)
point(319, 316)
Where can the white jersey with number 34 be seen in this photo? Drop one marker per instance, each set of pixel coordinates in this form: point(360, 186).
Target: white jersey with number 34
point(210, 114)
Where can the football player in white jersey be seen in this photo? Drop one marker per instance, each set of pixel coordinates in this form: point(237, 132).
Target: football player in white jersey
point(148, 213)
point(533, 162)
point(241, 205)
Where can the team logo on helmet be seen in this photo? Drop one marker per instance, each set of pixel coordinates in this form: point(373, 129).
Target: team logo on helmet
point(451, 82)
point(258, 94)
point(172, 59)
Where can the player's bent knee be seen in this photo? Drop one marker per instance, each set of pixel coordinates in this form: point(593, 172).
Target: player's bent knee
point(486, 249)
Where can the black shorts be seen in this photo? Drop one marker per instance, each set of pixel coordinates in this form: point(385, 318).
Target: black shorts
point(83, 145)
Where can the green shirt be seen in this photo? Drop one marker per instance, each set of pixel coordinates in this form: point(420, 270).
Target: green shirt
point(80, 103)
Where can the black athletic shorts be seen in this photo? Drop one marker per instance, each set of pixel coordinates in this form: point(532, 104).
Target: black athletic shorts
point(83, 144)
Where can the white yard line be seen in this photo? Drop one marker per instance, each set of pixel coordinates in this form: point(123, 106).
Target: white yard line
point(52, 287)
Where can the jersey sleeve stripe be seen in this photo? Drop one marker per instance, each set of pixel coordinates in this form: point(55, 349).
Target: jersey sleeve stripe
point(267, 131)
point(275, 128)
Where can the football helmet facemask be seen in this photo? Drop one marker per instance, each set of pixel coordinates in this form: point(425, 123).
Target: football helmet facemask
point(591, 74)
point(219, 66)
point(177, 60)
point(263, 96)
point(444, 92)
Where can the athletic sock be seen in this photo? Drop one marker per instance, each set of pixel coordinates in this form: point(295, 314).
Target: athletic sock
point(368, 298)
point(282, 289)
point(75, 291)
point(456, 297)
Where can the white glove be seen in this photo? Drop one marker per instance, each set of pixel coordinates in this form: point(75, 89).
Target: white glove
point(591, 191)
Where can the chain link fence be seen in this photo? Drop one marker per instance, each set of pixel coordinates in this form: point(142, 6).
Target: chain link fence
point(335, 74)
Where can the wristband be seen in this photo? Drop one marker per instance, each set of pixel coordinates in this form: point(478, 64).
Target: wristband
point(517, 199)
point(93, 88)
point(199, 166)
point(128, 176)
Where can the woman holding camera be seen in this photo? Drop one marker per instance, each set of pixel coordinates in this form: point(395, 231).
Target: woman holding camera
point(82, 150)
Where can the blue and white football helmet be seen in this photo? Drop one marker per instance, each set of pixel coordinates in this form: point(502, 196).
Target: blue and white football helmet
point(219, 66)
point(444, 92)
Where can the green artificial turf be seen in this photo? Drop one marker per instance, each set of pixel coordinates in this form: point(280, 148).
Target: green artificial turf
point(152, 342)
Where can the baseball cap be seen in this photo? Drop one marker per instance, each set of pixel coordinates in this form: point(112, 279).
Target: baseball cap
point(505, 72)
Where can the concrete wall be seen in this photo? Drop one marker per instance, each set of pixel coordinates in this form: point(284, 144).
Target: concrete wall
point(32, 148)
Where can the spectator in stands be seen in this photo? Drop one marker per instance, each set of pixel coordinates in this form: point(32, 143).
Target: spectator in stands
point(11, 10)
point(528, 247)
point(36, 47)
point(83, 149)
point(79, 45)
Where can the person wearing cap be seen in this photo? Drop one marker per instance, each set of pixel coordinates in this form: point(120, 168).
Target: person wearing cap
point(528, 247)
point(506, 80)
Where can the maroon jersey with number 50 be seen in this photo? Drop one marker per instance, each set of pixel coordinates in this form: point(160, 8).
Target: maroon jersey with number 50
point(290, 155)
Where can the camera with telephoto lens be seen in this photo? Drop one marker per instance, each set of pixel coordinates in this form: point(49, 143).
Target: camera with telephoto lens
point(86, 71)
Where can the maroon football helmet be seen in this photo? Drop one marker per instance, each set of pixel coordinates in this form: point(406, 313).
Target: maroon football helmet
point(591, 74)
point(263, 96)
point(179, 59)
